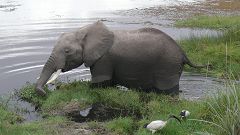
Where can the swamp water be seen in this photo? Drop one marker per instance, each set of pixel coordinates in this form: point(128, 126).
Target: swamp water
point(29, 30)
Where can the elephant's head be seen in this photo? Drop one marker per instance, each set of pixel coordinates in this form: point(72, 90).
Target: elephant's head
point(86, 45)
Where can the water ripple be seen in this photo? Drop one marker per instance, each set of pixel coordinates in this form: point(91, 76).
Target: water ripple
point(23, 49)
point(21, 64)
point(24, 69)
point(22, 54)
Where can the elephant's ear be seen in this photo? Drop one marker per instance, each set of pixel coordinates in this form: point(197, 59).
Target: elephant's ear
point(98, 41)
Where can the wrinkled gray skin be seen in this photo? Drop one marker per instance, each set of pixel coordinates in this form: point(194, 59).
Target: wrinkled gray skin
point(146, 58)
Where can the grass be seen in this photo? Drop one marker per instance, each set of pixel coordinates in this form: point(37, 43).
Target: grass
point(221, 51)
point(29, 94)
point(225, 109)
point(216, 115)
point(33, 128)
point(8, 117)
point(81, 93)
point(213, 22)
point(121, 125)
point(149, 106)
point(10, 124)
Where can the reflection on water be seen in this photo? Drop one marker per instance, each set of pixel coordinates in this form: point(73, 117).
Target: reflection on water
point(29, 33)
point(195, 86)
point(48, 9)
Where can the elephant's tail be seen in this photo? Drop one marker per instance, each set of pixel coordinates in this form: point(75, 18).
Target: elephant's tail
point(188, 62)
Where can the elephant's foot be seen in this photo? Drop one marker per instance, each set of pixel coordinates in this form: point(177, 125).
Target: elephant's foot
point(172, 91)
point(40, 91)
point(104, 84)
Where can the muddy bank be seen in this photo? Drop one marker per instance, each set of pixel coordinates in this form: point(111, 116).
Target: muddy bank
point(93, 112)
point(73, 128)
point(9, 6)
point(186, 10)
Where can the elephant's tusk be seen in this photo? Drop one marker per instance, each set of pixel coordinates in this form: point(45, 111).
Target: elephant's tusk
point(54, 76)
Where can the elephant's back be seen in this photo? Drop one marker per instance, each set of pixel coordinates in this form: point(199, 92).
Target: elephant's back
point(147, 45)
point(143, 57)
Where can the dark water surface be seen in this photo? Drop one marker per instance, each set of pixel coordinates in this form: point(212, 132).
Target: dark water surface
point(29, 30)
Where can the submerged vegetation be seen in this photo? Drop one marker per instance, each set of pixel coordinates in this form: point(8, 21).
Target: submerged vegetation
point(114, 111)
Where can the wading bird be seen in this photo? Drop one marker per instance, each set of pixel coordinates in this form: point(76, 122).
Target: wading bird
point(159, 124)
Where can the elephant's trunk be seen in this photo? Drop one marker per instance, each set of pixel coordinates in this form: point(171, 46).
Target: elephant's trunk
point(48, 69)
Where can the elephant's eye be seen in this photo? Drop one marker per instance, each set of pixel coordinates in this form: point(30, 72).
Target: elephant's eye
point(67, 51)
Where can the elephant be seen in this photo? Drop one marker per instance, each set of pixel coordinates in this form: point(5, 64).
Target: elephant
point(146, 59)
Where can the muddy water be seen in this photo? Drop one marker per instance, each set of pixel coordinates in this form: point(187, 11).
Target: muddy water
point(29, 30)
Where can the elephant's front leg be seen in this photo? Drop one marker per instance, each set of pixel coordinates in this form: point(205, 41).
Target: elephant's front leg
point(102, 72)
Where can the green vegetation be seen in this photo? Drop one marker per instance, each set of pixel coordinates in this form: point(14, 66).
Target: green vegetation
point(34, 128)
point(8, 117)
point(29, 94)
point(221, 52)
point(143, 108)
point(219, 115)
point(121, 125)
point(10, 124)
point(224, 110)
point(81, 93)
point(213, 22)
point(129, 110)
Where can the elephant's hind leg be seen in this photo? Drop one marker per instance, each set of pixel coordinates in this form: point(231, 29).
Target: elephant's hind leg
point(104, 84)
point(167, 84)
point(172, 91)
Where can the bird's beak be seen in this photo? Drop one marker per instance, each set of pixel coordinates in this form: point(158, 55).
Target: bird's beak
point(173, 116)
